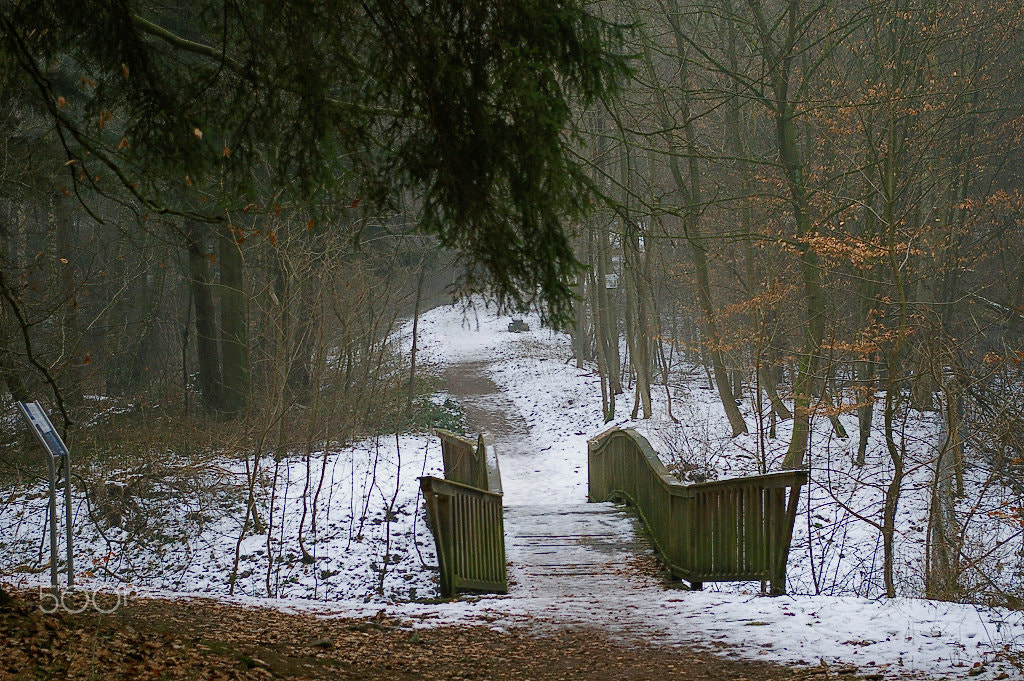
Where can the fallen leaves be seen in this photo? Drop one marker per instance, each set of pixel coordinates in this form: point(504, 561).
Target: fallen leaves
point(205, 639)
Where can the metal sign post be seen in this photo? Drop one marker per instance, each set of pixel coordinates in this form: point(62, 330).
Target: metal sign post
point(56, 450)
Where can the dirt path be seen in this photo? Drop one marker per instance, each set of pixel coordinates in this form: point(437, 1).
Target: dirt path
point(487, 408)
point(202, 639)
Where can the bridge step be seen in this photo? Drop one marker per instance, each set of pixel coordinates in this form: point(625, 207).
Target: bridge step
point(566, 550)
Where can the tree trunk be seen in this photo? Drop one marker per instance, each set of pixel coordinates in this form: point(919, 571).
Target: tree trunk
point(606, 332)
point(778, 58)
point(607, 319)
point(603, 370)
point(865, 367)
point(769, 368)
point(234, 325)
point(893, 386)
point(770, 386)
point(892, 492)
point(942, 576)
point(827, 391)
point(581, 329)
point(130, 377)
point(415, 333)
point(758, 319)
point(689, 187)
point(637, 333)
point(865, 370)
point(9, 373)
point(64, 224)
point(814, 297)
point(207, 347)
point(308, 325)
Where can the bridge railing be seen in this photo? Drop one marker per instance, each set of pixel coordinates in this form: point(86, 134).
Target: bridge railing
point(727, 530)
point(466, 518)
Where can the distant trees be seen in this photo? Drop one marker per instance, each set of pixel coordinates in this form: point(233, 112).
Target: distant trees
point(840, 177)
point(185, 127)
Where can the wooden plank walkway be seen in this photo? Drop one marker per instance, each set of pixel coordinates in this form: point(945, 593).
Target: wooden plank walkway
point(570, 551)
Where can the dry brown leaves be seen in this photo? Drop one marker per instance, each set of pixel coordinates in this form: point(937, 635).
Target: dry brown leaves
point(199, 639)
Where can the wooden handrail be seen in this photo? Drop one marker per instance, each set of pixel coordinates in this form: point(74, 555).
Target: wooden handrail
point(725, 530)
point(466, 516)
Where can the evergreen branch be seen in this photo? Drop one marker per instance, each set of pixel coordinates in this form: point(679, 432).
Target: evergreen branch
point(221, 56)
point(177, 41)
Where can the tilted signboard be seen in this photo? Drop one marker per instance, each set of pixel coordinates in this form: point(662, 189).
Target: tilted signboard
point(56, 451)
point(43, 429)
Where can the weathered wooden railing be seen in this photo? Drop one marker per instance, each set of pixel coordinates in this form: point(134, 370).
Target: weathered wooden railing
point(728, 530)
point(466, 517)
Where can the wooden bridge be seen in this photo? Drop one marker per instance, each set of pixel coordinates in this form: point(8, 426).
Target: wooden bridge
point(727, 530)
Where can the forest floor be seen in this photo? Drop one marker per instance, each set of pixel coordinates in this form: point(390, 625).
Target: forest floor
point(204, 639)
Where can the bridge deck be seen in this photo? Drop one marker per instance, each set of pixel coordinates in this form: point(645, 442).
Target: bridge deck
point(575, 550)
point(554, 549)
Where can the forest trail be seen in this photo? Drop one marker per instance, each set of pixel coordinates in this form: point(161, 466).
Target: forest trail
point(558, 547)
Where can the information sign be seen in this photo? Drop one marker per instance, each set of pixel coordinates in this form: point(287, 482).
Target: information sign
point(43, 428)
point(57, 450)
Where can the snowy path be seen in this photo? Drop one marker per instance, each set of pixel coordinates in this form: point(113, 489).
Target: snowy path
point(559, 546)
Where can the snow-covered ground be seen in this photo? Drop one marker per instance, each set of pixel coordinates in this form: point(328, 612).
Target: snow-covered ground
point(834, 613)
point(175, 525)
